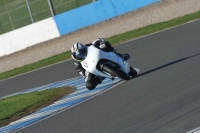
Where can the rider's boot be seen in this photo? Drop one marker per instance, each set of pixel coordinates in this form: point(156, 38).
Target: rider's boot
point(100, 78)
point(124, 56)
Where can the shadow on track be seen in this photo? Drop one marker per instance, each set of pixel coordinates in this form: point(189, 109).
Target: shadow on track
point(166, 65)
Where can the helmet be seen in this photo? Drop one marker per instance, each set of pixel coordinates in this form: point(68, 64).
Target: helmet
point(79, 51)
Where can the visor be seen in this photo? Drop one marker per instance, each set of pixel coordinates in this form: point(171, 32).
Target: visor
point(80, 54)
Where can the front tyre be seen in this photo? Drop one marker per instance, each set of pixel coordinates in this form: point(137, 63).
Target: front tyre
point(133, 72)
point(115, 72)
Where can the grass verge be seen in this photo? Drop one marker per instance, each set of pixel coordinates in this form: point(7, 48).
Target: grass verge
point(16, 107)
point(114, 40)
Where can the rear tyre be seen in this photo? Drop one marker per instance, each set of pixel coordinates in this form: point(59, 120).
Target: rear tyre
point(115, 72)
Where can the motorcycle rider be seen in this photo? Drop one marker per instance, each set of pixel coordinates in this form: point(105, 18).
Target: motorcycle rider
point(79, 52)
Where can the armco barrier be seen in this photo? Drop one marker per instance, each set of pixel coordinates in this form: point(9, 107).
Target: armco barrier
point(28, 36)
point(96, 12)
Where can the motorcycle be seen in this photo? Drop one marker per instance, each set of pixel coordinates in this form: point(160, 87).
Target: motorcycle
point(107, 64)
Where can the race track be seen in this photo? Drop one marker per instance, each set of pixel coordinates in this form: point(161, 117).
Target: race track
point(164, 98)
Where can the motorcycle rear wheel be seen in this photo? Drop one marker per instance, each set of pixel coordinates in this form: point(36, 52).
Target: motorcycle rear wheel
point(115, 72)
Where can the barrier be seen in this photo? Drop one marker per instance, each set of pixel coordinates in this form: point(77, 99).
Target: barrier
point(96, 12)
point(124, 6)
point(84, 16)
point(28, 36)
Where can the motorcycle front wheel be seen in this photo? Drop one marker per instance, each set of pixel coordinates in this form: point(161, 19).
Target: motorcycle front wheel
point(133, 72)
point(115, 72)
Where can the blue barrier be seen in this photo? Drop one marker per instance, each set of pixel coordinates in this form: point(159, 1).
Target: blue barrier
point(84, 16)
point(96, 12)
point(124, 6)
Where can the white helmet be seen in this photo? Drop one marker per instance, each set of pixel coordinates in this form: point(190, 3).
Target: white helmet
point(79, 51)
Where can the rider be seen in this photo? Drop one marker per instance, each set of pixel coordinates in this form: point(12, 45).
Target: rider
point(79, 52)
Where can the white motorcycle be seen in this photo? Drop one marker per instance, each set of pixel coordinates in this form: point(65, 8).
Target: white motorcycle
point(107, 64)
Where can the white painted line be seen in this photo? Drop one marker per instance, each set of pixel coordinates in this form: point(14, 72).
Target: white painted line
point(197, 130)
point(46, 113)
point(35, 70)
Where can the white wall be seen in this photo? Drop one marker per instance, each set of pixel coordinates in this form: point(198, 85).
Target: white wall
point(28, 36)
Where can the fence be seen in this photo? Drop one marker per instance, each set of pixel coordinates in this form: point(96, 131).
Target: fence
point(18, 13)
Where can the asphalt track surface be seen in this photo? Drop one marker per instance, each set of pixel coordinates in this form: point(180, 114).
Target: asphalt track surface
point(164, 98)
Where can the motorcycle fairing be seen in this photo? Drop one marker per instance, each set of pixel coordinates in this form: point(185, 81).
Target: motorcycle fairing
point(94, 55)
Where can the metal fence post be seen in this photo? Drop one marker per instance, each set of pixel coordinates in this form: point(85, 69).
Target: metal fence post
point(51, 7)
point(9, 15)
point(1, 29)
point(29, 10)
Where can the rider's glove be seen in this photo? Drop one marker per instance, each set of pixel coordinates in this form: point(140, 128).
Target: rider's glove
point(102, 43)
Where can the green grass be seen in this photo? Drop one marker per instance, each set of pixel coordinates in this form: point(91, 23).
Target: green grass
point(13, 107)
point(114, 40)
point(66, 5)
